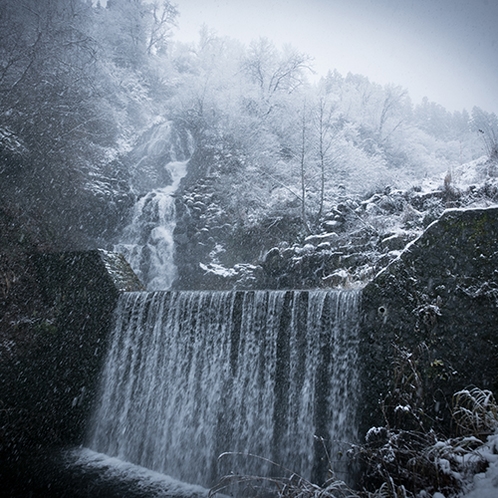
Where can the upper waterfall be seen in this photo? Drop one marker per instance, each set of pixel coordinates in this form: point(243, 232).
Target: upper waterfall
point(147, 242)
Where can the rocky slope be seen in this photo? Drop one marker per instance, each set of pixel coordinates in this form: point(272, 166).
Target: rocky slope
point(350, 243)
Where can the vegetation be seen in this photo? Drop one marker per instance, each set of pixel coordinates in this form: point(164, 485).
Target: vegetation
point(80, 83)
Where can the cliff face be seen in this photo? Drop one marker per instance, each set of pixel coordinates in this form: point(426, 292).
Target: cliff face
point(440, 297)
point(219, 247)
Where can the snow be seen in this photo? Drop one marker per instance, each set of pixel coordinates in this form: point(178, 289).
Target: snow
point(217, 269)
point(374, 432)
point(462, 177)
point(470, 173)
point(155, 483)
point(468, 208)
point(10, 141)
point(485, 485)
point(330, 237)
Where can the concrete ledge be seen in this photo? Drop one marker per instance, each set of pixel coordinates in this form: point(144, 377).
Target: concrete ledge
point(59, 375)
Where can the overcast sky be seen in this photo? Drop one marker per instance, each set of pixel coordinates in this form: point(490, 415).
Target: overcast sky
point(446, 50)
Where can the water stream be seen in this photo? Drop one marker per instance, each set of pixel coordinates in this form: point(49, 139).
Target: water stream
point(190, 375)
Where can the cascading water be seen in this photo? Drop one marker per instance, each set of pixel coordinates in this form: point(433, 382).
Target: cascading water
point(147, 242)
point(190, 375)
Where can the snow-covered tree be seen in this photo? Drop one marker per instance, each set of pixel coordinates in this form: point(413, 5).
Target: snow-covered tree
point(486, 125)
point(275, 71)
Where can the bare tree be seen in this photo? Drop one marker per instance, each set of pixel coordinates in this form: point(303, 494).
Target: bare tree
point(325, 113)
point(302, 167)
point(275, 71)
point(163, 17)
point(393, 101)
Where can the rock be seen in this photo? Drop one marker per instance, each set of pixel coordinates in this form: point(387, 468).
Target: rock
point(308, 248)
point(337, 279)
point(424, 200)
point(441, 292)
point(355, 259)
point(324, 246)
point(363, 235)
point(288, 253)
point(332, 238)
point(371, 200)
point(410, 214)
point(273, 261)
point(373, 209)
point(331, 225)
point(396, 241)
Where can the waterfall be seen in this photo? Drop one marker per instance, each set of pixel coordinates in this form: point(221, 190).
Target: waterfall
point(147, 242)
point(190, 375)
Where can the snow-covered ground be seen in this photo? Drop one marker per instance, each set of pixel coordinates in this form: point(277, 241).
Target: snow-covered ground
point(485, 485)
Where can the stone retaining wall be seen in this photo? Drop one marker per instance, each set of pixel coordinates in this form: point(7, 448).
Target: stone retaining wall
point(56, 379)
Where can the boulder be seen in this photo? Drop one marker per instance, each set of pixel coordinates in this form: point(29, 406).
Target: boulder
point(331, 225)
point(273, 261)
point(316, 240)
point(442, 293)
point(397, 241)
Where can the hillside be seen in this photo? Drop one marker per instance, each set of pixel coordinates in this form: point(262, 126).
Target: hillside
point(272, 152)
point(348, 245)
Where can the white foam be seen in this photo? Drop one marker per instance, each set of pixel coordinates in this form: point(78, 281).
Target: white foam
point(153, 483)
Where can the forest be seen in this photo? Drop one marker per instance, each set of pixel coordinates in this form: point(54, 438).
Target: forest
point(81, 83)
point(293, 180)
